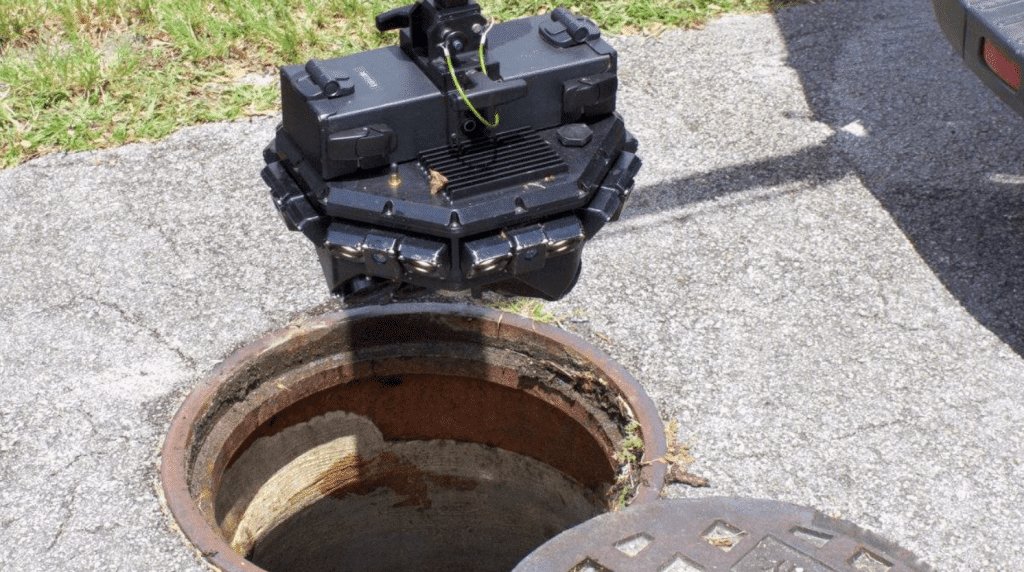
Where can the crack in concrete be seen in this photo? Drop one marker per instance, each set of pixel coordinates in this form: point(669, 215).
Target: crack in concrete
point(100, 528)
point(153, 332)
point(870, 427)
point(68, 465)
point(64, 506)
point(70, 305)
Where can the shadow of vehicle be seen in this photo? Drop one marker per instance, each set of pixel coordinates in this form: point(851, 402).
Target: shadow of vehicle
point(940, 152)
point(954, 178)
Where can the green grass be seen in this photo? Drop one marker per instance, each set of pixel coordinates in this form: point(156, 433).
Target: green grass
point(528, 308)
point(87, 74)
point(628, 454)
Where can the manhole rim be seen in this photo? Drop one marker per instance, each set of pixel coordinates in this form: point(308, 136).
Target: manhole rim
point(173, 470)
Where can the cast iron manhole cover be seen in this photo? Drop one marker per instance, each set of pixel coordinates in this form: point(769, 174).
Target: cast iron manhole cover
point(719, 534)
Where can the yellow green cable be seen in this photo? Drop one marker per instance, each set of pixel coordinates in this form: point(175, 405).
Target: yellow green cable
point(458, 86)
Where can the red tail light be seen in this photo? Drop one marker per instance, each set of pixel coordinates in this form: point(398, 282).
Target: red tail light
point(1004, 67)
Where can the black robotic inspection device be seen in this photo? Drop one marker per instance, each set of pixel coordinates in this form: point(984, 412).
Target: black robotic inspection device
point(472, 156)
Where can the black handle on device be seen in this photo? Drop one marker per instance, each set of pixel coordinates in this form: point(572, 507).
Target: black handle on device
point(400, 17)
point(577, 31)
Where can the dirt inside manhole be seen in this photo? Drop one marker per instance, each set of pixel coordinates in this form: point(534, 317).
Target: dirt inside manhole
point(402, 438)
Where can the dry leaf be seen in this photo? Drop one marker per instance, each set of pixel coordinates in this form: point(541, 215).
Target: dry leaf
point(437, 181)
point(676, 454)
point(679, 459)
point(724, 541)
point(679, 475)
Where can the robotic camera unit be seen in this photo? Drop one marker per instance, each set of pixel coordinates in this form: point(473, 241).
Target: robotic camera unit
point(472, 156)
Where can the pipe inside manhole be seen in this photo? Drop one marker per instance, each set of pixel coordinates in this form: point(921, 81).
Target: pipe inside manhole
point(407, 437)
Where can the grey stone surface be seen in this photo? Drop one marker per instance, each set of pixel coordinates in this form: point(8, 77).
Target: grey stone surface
point(820, 275)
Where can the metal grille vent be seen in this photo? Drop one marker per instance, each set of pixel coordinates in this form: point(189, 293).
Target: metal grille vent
point(508, 159)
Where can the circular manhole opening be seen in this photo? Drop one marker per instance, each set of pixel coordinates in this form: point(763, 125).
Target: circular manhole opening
point(407, 437)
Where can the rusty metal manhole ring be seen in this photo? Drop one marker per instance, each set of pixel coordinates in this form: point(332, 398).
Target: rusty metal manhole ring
point(724, 534)
point(419, 436)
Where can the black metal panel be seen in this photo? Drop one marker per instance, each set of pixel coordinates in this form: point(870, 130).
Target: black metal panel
point(486, 164)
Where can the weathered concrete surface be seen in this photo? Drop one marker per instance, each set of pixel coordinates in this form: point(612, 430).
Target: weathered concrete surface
point(821, 275)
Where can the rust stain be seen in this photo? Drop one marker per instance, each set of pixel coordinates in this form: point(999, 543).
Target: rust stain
point(424, 407)
point(355, 476)
point(389, 471)
point(343, 473)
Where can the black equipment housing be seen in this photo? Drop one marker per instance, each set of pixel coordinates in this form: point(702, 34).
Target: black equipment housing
point(362, 136)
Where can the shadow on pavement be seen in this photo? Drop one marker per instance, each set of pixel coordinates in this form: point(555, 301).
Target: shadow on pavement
point(941, 153)
point(947, 157)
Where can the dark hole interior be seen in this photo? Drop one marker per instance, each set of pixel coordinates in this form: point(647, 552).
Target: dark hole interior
point(474, 476)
